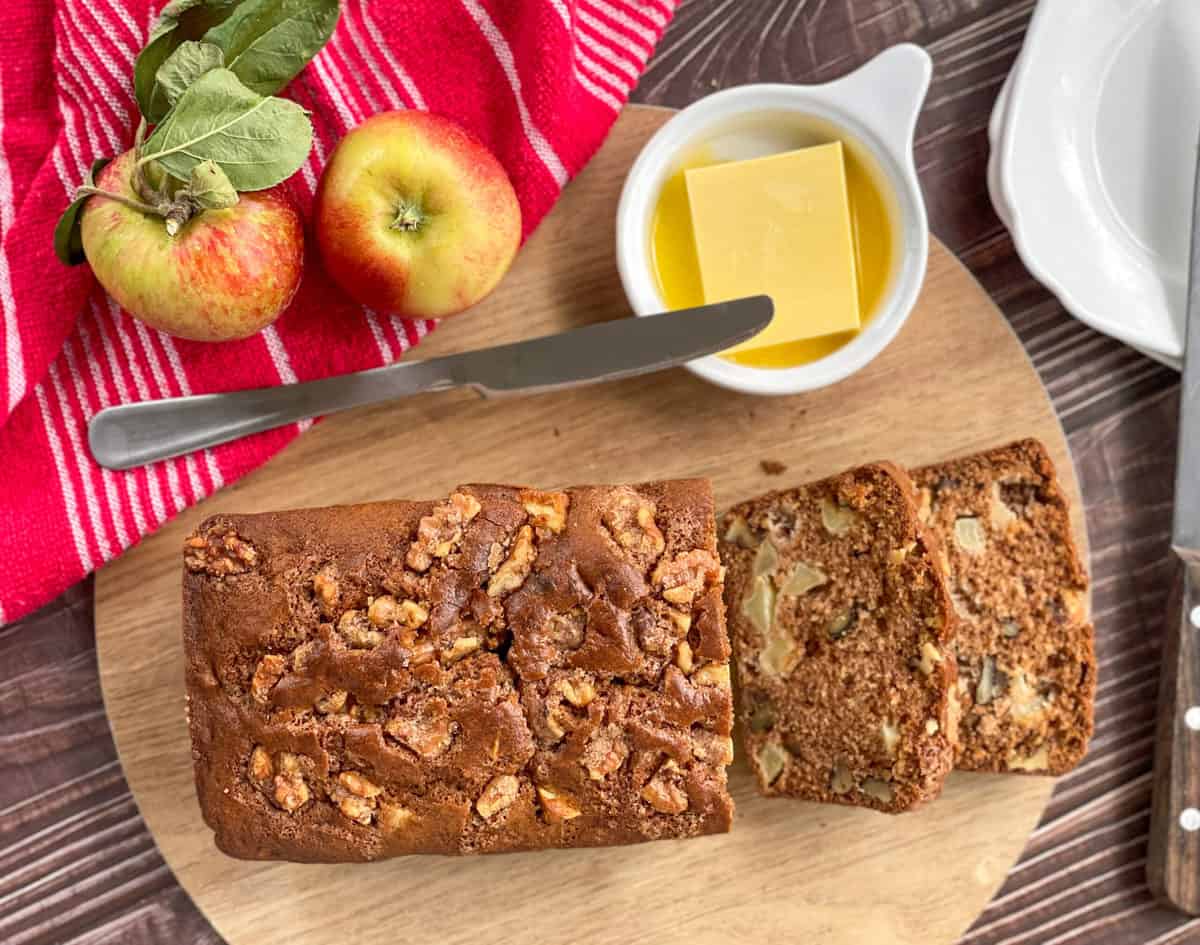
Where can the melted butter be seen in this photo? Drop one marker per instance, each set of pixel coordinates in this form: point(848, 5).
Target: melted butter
point(677, 271)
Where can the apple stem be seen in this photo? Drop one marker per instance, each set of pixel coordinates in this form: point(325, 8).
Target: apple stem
point(178, 214)
point(175, 212)
point(140, 182)
point(408, 217)
point(119, 198)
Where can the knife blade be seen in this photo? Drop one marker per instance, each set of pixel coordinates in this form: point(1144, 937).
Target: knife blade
point(130, 435)
point(1173, 859)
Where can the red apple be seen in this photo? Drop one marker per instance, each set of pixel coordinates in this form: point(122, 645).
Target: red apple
point(415, 216)
point(224, 275)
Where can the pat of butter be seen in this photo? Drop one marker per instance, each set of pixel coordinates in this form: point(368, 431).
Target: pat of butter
point(779, 225)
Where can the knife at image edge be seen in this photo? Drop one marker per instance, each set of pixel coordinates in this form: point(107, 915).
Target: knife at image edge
point(1173, 858)
point(132, 435)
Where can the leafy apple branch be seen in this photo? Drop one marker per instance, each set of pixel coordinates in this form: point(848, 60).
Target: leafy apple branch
point(211, 124)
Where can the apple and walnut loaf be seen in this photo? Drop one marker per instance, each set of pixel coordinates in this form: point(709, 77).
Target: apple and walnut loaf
point(1026, 658)
point(842, 632)
point(508, 669)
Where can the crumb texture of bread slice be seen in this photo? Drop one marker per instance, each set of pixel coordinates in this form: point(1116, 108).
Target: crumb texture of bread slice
point(506, 669)
point(1026, 657)
point(842, 630)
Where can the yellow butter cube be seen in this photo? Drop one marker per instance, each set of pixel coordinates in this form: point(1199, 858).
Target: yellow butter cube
point(779, 225)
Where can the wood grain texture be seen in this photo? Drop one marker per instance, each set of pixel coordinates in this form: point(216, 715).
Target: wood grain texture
point(925, 876)
point(1173, 858)
point(1081, 878)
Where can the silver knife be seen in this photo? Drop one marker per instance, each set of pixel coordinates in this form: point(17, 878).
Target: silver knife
point(134, 434)
point(1173, 859)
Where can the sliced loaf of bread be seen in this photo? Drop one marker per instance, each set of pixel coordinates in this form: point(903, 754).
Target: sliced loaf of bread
point(1026, 658)
point(841, 625)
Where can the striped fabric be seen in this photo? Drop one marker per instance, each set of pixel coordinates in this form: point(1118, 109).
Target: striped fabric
point(540, 81)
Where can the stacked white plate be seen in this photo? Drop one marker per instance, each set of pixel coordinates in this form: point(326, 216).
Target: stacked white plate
point(1094, 142)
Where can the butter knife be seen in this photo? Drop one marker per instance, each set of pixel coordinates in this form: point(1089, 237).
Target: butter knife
point(131, 435)
point(1173, 859)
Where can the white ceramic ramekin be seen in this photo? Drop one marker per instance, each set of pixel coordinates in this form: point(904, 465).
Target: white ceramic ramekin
point(876, 107)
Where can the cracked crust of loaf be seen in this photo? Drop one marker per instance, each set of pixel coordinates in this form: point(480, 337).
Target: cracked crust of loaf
point(508, 669)
point(1026, 657)
point(841, 627)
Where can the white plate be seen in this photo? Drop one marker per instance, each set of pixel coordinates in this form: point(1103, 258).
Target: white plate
point(997, 128)
point(1094, 146)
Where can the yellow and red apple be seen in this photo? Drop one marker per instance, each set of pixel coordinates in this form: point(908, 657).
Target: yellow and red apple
point(416, 216)
point(225, 275)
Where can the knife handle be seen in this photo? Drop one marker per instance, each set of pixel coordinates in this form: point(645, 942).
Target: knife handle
point(1173, 860)
point(132, 435)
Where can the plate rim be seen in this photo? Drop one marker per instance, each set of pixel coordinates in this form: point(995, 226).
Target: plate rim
point(1003, 135)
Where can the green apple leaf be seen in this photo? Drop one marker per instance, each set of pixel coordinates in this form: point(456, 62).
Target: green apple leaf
point(209, 187)
point(180, 20)
point(268, 42)
point(257, 141)
point(68, 243)
point(184, 66)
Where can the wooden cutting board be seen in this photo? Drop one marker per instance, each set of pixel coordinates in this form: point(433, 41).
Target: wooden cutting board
point(955, 380)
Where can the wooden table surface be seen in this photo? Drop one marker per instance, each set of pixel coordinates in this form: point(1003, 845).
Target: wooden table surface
point(77, 864)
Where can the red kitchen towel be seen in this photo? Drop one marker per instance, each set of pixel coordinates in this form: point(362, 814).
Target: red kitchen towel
point(540, 81)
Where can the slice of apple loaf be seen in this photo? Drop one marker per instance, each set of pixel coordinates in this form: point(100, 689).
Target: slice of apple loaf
point(1026, 659)
point(841, 625)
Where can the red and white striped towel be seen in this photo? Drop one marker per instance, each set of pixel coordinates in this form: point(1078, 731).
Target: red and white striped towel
point(540, 81)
